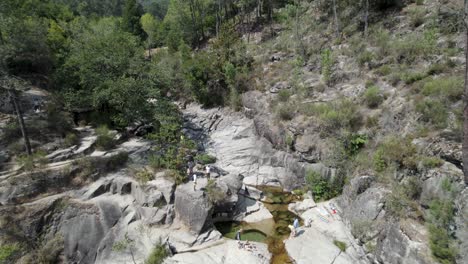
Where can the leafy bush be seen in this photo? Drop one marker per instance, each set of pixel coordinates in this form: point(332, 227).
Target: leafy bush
point(71, 139)
point(381, 39)
point(320, 187)
point(433, 111)
point(86, 167)
point(373, 97)
point(353, 143)
point(205, 159)
point(51, 250)
point(450, 88)
point(414, 46)
point(105, 140)
point(340, 244)
point(157, 255)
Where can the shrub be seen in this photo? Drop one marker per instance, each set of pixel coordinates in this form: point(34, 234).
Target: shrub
point(395, 150)
point(382, 40)
point(286, 112)
point(373, 97)
point(7, 252)
point(450, 88)
point(419, 2)
point(283, 95)
point(205, 159)
point(71, 139)
point(440, 240)
point(327, 63)
point(437, 68)
point(411, 77)
point(340, 244)
point(413, 46)
point(104, 139)
point(353, 143)
point(433, 112)
point(320, 187)
point(341, 114)
point(157, 255)
point(431, 162)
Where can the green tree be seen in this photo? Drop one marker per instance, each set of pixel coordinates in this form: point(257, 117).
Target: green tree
point(131, 18)
point(105, 71)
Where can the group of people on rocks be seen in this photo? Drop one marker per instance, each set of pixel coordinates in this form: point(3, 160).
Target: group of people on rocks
point(190, 166)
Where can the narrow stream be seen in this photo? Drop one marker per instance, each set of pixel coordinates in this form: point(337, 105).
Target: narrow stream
point(271, 233)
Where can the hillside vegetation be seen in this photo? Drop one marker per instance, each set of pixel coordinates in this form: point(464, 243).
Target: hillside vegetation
point(368, 88)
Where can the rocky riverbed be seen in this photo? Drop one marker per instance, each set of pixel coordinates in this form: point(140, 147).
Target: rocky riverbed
point(111, 217)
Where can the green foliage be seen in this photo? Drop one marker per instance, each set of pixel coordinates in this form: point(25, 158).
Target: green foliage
point(373, 97)
point(340, 114)
point(7, 251)
point(104, 71)
point(286, 111)
point(353, 143)
point(131, 18)
point(450, 88)
point(433, 111)
point(340, 244)
point(414, 46)
point(395, 151)
point(431, 162)
point(105, 139)
point(437, 68)
point(320, 187)
point(50, 251)
point(327, 62)
point(205, 159)
point(157, 255)
point(441, 241)
point(411, 77)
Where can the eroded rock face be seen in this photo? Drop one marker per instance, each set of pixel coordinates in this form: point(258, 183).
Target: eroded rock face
point(396, 247)
point(192, 208)
point(242, 148)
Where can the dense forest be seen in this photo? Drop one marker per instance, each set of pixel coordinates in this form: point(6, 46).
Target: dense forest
point(367, 88)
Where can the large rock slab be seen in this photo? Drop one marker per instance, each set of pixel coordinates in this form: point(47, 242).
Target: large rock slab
point(226, 252)
point(192, 208)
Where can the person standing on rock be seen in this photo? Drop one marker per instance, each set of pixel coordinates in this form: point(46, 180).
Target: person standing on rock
point(295, 225)
point(207, 170)
point(194, 179)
